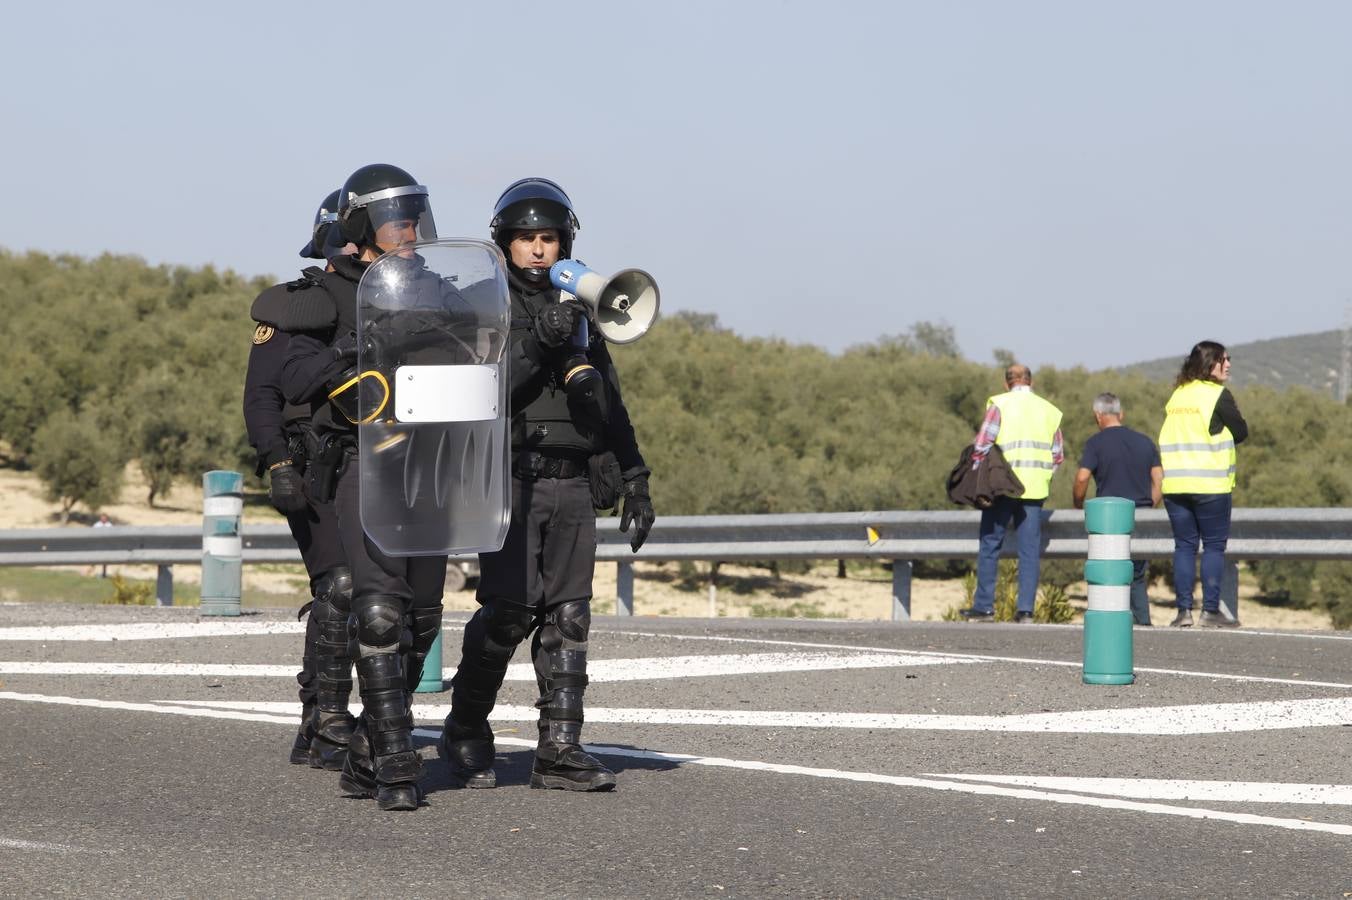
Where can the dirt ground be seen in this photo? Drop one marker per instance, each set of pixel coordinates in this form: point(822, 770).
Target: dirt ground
point(660, 589)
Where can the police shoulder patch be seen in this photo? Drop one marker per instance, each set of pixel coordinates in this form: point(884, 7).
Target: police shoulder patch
point(263, 334)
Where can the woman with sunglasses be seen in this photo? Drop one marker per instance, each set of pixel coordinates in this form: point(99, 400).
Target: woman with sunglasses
point(1202, 425)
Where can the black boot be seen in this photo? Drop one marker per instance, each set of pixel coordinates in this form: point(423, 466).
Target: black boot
point(397, 780)
point(300, 747)
point(389, 729)
point(468, 750)
point(358, 778)
point(332, 734)
point(561, 764)
point(333, 724)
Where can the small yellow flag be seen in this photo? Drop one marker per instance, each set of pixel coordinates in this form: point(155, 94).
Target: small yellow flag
point(873, 536)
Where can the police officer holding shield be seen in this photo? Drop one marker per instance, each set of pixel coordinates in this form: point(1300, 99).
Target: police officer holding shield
point(277, 430)
point(573, 451)
point(396, 607)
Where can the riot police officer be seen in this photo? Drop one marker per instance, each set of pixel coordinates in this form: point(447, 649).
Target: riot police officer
point(395, 611)
point(277, 431)
point(571, 440)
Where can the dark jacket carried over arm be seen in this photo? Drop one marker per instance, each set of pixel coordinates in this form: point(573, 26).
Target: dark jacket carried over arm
point(980, 486)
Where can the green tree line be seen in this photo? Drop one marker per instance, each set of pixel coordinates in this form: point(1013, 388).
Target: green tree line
point(111, 360)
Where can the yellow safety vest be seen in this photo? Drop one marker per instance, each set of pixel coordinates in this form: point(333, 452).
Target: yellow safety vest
point(1196, 461)
point(1027, 425)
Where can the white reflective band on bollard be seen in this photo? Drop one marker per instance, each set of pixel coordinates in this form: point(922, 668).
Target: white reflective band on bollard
point(224, 546)
point(1110, 597)
point(1110, 546)
point(223, 506)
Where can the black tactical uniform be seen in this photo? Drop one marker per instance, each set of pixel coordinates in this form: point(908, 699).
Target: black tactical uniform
point(541, 580)
point(395, 612)
point(277, 431)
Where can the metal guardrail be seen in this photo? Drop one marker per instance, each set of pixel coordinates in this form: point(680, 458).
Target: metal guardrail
point(901, 538)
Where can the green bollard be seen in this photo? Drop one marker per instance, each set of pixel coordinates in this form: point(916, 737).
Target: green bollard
point(431, 681)
point(1108, 646)
point(222, 549)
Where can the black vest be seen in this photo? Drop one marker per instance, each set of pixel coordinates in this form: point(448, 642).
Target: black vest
point(543, 420)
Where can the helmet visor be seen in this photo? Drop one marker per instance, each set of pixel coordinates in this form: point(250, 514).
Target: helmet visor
point(401, 220)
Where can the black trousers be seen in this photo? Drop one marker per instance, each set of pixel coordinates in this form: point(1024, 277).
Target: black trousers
point(417, 581)
point(395, 617)
point(541, 582)
point(549, 555)
point(315, 531)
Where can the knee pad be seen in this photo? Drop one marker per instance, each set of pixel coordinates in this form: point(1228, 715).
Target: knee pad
point(335, 587)
point(573, 620)
point(380, 625)
point(506, 623)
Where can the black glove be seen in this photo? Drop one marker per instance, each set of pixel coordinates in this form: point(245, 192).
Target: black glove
point(284, 488)
point(345, 348)
point(638, 508)
point(555, 325)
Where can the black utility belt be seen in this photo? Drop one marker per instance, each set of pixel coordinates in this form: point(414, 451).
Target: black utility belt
point(534, 466)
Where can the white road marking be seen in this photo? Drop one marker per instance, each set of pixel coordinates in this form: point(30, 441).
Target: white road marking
point(15, 844)
point(148, 631)
point(978, 657)
point(953, 786)
point(218, 670)
point(598, 670)
point(148, 707)
point(153, 631)
point(779, 768)
point(1173, 789)
point(1220, 718)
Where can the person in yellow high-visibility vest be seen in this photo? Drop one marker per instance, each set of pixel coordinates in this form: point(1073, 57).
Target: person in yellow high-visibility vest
point(1028, 431)
point(1202, 425)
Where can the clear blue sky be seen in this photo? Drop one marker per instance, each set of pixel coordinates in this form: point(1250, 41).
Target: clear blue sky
point(1078, 182)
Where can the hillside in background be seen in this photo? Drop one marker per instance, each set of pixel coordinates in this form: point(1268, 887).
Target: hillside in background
point(1305, 360)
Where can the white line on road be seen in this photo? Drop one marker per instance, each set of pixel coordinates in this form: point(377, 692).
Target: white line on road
point(755, 765)
point(1218, 718)
point(953, 786)
point(151, 631)
point(1174, 789)
point(146, 707)
point(598, 670)
point(148, 631)
point(977, 657)
point(14, 844)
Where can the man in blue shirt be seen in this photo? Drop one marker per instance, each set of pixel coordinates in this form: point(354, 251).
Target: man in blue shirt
point(1123, 463)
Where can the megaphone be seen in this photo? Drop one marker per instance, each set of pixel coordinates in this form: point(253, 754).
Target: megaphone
point(624, 306)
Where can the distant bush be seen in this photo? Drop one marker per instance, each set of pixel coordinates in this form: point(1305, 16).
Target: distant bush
point(131, 593)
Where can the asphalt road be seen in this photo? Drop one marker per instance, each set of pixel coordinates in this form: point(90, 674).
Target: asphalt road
point(755, 758)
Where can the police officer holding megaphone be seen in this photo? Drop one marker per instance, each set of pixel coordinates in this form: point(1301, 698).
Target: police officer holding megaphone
point(573, 452)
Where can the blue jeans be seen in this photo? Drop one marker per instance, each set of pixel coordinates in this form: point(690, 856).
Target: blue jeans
point(1026, 517)
point(1140, 603)
point(1194, 517)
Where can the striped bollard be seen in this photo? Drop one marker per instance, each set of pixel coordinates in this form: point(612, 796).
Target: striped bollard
point(222, 550)
point(1108, 621)
point(431, 683)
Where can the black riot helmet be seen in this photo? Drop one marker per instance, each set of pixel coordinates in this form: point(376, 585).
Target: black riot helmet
point(320, 236)
point(531, 204)
point(378, 194)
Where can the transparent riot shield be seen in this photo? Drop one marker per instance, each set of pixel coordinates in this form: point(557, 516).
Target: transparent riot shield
point(431, 398)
